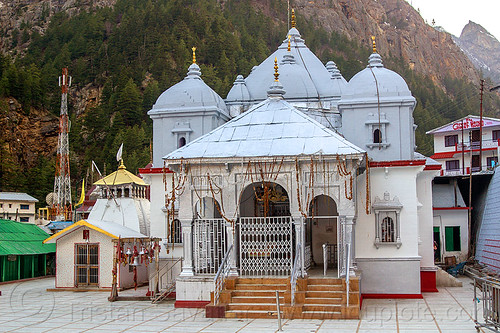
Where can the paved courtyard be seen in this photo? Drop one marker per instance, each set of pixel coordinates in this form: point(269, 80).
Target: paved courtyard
point(28, 307)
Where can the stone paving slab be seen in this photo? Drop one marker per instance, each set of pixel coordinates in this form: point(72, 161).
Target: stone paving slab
point(28, 307)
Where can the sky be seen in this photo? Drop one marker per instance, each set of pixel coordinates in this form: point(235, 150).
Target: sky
point(453, 15)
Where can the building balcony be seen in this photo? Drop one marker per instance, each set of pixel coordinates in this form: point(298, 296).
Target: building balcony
point(474, 145)
point(485, 169)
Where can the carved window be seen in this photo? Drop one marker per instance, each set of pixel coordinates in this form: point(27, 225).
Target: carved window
point(377, 136)
point(387, 221)
point(387, 229)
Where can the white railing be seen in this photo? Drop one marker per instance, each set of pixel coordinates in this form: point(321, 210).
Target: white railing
point(347, 270)
point(165, 276)
point(209, 245)
point(329, 256)
point(490, 296)
point(222, 274)
point(475, 145)
point(297, 268)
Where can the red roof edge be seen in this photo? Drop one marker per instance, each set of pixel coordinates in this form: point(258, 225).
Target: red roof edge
point(149, 171)
point(401, 163)
point(433, 167)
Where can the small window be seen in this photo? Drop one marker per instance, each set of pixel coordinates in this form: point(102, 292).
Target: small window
point(452, 238)
point(1, 205)
point(387, 229)
point(453, 165)
point(175, 234)
point(495, 134)
point(450, 140)
point(10, 205)
point(24, 219)
point(377, 136)
point(182, 142)
point(25, 206)
point(491, 161)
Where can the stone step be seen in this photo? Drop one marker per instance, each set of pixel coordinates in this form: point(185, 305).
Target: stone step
point(254, 293)
point(321, 308)
point(252, 314)
point(253, 300)
point(323, 281)
point(323, 287)
point(324, 294)
point(265, 280)
point(317, 300)
point(267, 287)
point(252, 307)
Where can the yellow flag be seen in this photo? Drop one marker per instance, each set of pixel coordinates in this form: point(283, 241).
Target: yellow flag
point(82, 196)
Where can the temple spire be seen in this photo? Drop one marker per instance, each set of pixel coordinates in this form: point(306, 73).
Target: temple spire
point(374, 45)
point(289, 48)
point(276, 74)
point(293, 18)
point(194, 54)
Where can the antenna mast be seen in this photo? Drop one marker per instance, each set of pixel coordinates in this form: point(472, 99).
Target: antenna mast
point(62, 182)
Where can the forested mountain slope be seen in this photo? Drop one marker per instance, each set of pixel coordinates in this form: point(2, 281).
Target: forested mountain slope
point(123, 54)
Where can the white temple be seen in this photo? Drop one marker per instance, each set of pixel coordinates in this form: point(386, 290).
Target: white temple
point(307, 160)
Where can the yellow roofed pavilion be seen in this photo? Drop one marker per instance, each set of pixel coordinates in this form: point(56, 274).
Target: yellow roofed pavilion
point(120, 177)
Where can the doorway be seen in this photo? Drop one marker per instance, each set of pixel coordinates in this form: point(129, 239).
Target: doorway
point(437, 245)
point(321, 228)
point(476, 163)
point(86, 265)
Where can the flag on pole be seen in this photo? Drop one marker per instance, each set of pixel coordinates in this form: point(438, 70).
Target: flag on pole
point(119, 153)
point(82, 196)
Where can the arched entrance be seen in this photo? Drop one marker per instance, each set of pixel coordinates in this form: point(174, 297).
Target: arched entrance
point(321, 228)
point(209, 237)
point(265, 231)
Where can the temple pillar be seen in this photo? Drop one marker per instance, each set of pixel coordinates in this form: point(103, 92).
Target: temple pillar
point(187, 241)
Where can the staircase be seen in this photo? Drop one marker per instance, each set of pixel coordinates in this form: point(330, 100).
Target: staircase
point(315, 298)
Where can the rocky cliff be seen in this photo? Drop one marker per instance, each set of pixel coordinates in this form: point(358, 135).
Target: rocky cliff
point(21, 18)
point(482, 48)
point(400, 31)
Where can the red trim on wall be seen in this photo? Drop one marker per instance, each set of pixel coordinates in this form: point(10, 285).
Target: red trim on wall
point(396, 163)
point(450, 208)
point(148, 171)
point(391, 296)
point(428, 282)
point(191, 304)
point(433, 167)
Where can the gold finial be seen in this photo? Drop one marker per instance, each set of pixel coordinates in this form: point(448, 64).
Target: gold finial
point(288, 44)
point(276, 74)
point(194, 54)
point(374, 46)
point(293, 18)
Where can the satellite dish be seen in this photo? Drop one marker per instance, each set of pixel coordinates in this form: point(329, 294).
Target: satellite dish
point(50, 198)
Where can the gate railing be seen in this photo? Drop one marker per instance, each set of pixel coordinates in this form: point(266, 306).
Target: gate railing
point(209, 245)
point(347, 270)
point(222, 274)
point(265, 246)
point(296, 270)
point(490, 296)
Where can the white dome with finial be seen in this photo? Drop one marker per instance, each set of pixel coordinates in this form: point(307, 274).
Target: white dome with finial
point(191, 93)
point(239, 92)
point(311, 81)
point(376, 82)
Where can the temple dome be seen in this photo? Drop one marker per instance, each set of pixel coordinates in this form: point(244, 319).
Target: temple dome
point(363, 87)
point(192, 93)
point(239, 91)
point(315, 80)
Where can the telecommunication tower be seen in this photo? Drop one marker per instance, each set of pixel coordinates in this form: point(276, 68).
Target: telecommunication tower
point(62, 183)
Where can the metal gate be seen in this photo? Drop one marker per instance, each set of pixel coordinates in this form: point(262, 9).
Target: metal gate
point(209, 245)
point(266, 245)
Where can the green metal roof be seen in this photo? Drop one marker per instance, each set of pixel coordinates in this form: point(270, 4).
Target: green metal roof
point(23, 238)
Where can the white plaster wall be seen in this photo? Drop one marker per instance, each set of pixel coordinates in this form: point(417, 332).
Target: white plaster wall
point(400, 182)
point(200, 123)
point(194, 288)
point(126, 277)
point(399, 131)
point(425, 219)
point(453, 218)
point(65, 257)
